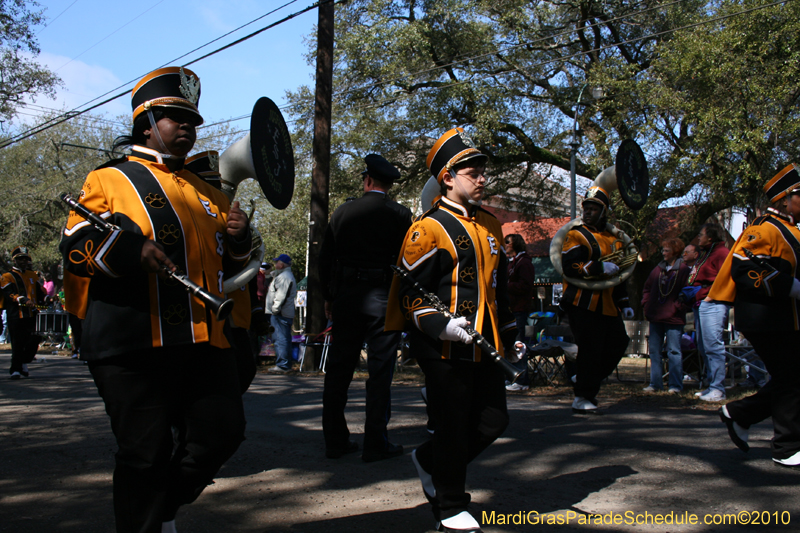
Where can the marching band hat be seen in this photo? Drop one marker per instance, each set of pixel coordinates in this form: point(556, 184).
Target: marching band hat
point(380, 169)
point(20, 251)
point(787, 181)
point(452, 148)
point(597, 195)
point(167, 87)
point(284, 258)
point(206, 166)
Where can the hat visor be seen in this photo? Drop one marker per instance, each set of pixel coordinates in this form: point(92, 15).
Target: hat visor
point(594, 200)
point(470, 157)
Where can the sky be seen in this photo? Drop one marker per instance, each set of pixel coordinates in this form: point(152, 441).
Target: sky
point(96, 46)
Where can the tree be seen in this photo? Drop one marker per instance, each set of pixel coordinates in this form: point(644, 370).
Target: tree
point(20, 76)
point(38, 170)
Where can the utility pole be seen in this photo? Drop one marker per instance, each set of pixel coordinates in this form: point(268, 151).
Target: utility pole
point(320, 174)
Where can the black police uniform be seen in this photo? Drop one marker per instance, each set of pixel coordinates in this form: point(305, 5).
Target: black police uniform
point(363, 238)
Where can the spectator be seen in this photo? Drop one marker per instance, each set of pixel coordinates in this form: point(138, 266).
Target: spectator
point(689, 256)
point(710, 316)
point(666, 314)
point(280, 302)
point(521, 277)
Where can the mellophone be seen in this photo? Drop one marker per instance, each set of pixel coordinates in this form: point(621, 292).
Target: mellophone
point(221, 307)
point(511, 372)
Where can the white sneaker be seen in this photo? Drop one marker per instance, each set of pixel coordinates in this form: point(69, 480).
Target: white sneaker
point(463, 521)
point(794, 460)
point(582, 405)
point(702, 392)
point(674, 391)
point(649, 388)
point(516, 387)
point(15, 375)
point(424, 477)
point(713, 395)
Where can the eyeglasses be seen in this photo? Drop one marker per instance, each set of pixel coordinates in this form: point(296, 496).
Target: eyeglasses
point(473, 176)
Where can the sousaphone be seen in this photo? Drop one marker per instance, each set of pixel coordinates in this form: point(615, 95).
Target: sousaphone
point(631, 178)
point(265, 154)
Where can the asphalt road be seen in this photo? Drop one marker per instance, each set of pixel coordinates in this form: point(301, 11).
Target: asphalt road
point(57, 453)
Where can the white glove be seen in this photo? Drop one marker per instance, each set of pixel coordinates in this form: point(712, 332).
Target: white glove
point(794, 292)
point(454, 331)
point(627, 313)
point(519, 352)
point(610, 269)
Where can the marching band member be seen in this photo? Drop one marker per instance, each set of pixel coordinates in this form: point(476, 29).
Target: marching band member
point(455, 251)
point(761, 276)
point(22, 292)
point(594, 315)
point(158, 357)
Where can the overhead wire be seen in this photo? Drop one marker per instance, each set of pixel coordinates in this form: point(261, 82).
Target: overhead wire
point(76, 112)
point(56, 17)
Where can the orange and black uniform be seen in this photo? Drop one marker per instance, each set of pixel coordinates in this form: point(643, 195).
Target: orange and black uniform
point(593, 314)
point(457, 254)
point(19, 287)
point(770, 319)
point(159, 358)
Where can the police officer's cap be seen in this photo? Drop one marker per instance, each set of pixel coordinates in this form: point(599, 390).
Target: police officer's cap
point(380, 169)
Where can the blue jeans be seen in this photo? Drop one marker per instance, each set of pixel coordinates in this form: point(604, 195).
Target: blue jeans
point(282, 337)
point(673, 334)
point(713, 317)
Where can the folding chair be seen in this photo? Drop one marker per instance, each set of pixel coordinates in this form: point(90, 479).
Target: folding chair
point(324, 340)
point(547, 359)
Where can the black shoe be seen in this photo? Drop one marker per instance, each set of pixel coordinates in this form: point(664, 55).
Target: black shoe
point(391, 450)
point(335, 453)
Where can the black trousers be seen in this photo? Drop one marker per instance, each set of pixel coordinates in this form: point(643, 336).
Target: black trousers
point(350, 330)
point(601, 344)
point(245, 357)
point(177, 416)
point(24, 343)
point(468, 402)
point(780, 397)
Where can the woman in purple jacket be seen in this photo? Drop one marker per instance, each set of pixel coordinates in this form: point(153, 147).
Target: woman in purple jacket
point(667, 315)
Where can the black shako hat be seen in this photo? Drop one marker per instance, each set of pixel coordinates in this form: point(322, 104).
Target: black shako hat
point(785, 182)
point(206, 166)
point(452, 148)
point(380, 169)
point(167, 87)
point(20, 251)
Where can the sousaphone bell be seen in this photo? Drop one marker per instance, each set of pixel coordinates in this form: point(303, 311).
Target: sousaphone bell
point(631, 178)
point(265, 154)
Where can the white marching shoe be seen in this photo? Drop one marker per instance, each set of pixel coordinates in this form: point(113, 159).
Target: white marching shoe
point(583, 406)
point(463, 522)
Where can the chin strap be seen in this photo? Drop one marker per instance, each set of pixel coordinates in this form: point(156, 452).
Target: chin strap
point(463, 191)
point(165, 154)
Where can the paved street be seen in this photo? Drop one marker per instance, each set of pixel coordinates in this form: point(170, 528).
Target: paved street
point(56, 460)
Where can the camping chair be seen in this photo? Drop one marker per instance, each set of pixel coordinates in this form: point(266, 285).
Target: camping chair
point(324, 340)
point(547, 359)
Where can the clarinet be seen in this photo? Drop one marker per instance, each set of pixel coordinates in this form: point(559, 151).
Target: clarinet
point(508, 369)
point(757, 260)
point(221, 307)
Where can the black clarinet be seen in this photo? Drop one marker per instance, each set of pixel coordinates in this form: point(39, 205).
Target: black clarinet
point(486, 347)
point(221, 307)
point(757, 260)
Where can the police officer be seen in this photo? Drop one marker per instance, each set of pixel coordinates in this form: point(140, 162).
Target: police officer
point(362, 240)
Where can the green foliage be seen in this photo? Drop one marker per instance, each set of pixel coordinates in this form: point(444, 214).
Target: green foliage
point(36, 171)
point(21, 78)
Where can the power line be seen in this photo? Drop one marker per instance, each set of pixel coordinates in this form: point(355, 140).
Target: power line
point(74, 113)
point(56, 17)
point(137, 17)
